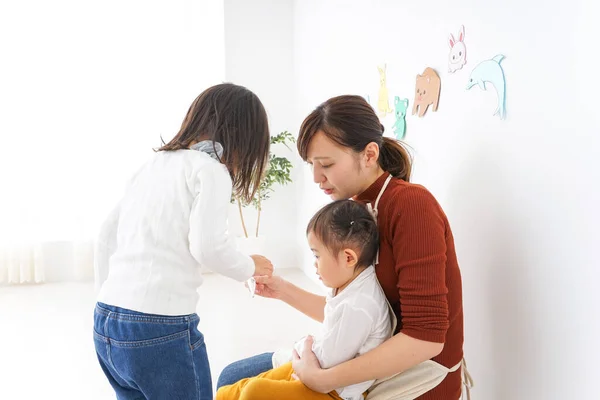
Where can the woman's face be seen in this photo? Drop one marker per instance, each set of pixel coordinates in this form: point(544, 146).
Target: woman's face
point(337, 170)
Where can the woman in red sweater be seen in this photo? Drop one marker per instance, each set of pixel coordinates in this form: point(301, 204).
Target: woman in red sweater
point(342, 140)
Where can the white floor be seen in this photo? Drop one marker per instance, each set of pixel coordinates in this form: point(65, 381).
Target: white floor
point(47, 352)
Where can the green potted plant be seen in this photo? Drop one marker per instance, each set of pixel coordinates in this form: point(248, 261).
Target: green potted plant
point(278, 173)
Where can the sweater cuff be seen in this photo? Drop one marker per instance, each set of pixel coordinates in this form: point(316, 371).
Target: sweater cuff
point(249, 270)
point(427, 336)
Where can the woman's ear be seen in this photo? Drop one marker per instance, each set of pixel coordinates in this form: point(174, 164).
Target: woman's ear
point(350, 258)
point(371, 154)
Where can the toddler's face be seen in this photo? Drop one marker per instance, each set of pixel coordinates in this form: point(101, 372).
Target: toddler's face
point(334, 270)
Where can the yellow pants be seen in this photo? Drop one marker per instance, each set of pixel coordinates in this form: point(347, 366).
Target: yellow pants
point(274, 384)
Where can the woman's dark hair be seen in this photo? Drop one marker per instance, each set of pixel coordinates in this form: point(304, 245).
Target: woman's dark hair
point(234, 117)
point(346, 223)
point(351, 122)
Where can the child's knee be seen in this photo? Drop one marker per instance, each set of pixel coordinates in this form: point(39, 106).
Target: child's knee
point(256, 389)
point(255, 386)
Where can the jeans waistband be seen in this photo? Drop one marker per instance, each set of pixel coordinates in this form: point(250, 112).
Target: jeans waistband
point(130, 315)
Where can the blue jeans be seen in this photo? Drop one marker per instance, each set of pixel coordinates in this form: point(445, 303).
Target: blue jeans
point(151, 356)
point(245, 368)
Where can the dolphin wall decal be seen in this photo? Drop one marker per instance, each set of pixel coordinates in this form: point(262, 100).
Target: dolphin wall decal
point(490, 71)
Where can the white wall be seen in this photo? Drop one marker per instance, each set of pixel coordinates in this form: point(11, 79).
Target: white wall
point(88, 88)
point(522, 195)
point(258, 54)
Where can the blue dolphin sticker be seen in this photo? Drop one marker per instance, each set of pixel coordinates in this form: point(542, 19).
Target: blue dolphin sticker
point(490, 71)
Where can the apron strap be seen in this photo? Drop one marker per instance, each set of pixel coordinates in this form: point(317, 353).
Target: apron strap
point(373, 210)
point(467, 380)
point(385, 184)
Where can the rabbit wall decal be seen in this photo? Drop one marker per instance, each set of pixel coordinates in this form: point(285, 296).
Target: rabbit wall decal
point(458, 51)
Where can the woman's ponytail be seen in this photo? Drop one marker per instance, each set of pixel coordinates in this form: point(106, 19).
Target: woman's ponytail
point(395, 159)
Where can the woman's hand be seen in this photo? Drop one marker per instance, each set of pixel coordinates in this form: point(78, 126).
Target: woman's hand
point(271, 287)
point(308, 370)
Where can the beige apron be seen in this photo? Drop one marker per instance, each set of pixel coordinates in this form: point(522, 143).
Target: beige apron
point(421, 378)
point(407, 385)
point(416, 381)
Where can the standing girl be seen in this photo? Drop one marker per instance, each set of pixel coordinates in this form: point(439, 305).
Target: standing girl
point(172, 221)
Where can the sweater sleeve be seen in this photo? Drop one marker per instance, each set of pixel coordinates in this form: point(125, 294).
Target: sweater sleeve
point(418, 232)
point(210, 242)
point(105, 246)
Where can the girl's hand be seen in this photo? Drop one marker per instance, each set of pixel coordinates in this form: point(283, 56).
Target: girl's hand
point(262, 265)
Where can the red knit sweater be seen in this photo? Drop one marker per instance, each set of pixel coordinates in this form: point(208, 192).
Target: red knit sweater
point(419, 272)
